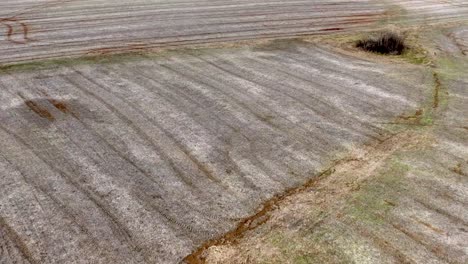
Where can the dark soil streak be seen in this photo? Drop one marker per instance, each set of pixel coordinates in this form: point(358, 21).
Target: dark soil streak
point(415, 117)
point(331, 29)
point(430, 207)
point(11, 30)
point(384, 245)
point(59, 105)
point(436, 250)
point(458, 169)
point(25, 31)
point(437, 88)
point(16, 239)
point(457, 43)
point(265, 212)
point(252, 222)
point(428, 225)
point(41, 111)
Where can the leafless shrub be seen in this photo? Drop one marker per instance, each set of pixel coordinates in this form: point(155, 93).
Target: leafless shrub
point(386, 43)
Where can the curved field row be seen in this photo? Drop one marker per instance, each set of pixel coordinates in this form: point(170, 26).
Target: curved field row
point(144, 160)
point(402, 200)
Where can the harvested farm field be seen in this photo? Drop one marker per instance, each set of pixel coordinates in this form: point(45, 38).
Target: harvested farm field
point(233, 132)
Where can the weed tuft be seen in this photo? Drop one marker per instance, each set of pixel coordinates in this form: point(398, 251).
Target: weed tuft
point(386, 43)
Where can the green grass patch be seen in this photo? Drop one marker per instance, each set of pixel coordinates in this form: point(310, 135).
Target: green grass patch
point(379, 196)
point(452, 68)
point(415, 55)
point(64, 62)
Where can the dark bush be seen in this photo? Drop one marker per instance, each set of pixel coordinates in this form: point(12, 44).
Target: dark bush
point(385, 43)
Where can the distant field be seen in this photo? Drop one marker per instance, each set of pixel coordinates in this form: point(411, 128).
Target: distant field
point(33, 30)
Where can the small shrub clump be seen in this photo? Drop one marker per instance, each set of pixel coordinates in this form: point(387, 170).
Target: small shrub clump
point(385, 43)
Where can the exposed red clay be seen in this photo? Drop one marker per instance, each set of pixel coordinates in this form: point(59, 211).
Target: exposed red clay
point(39, 110)
point(255, 220)
point(11, 31)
